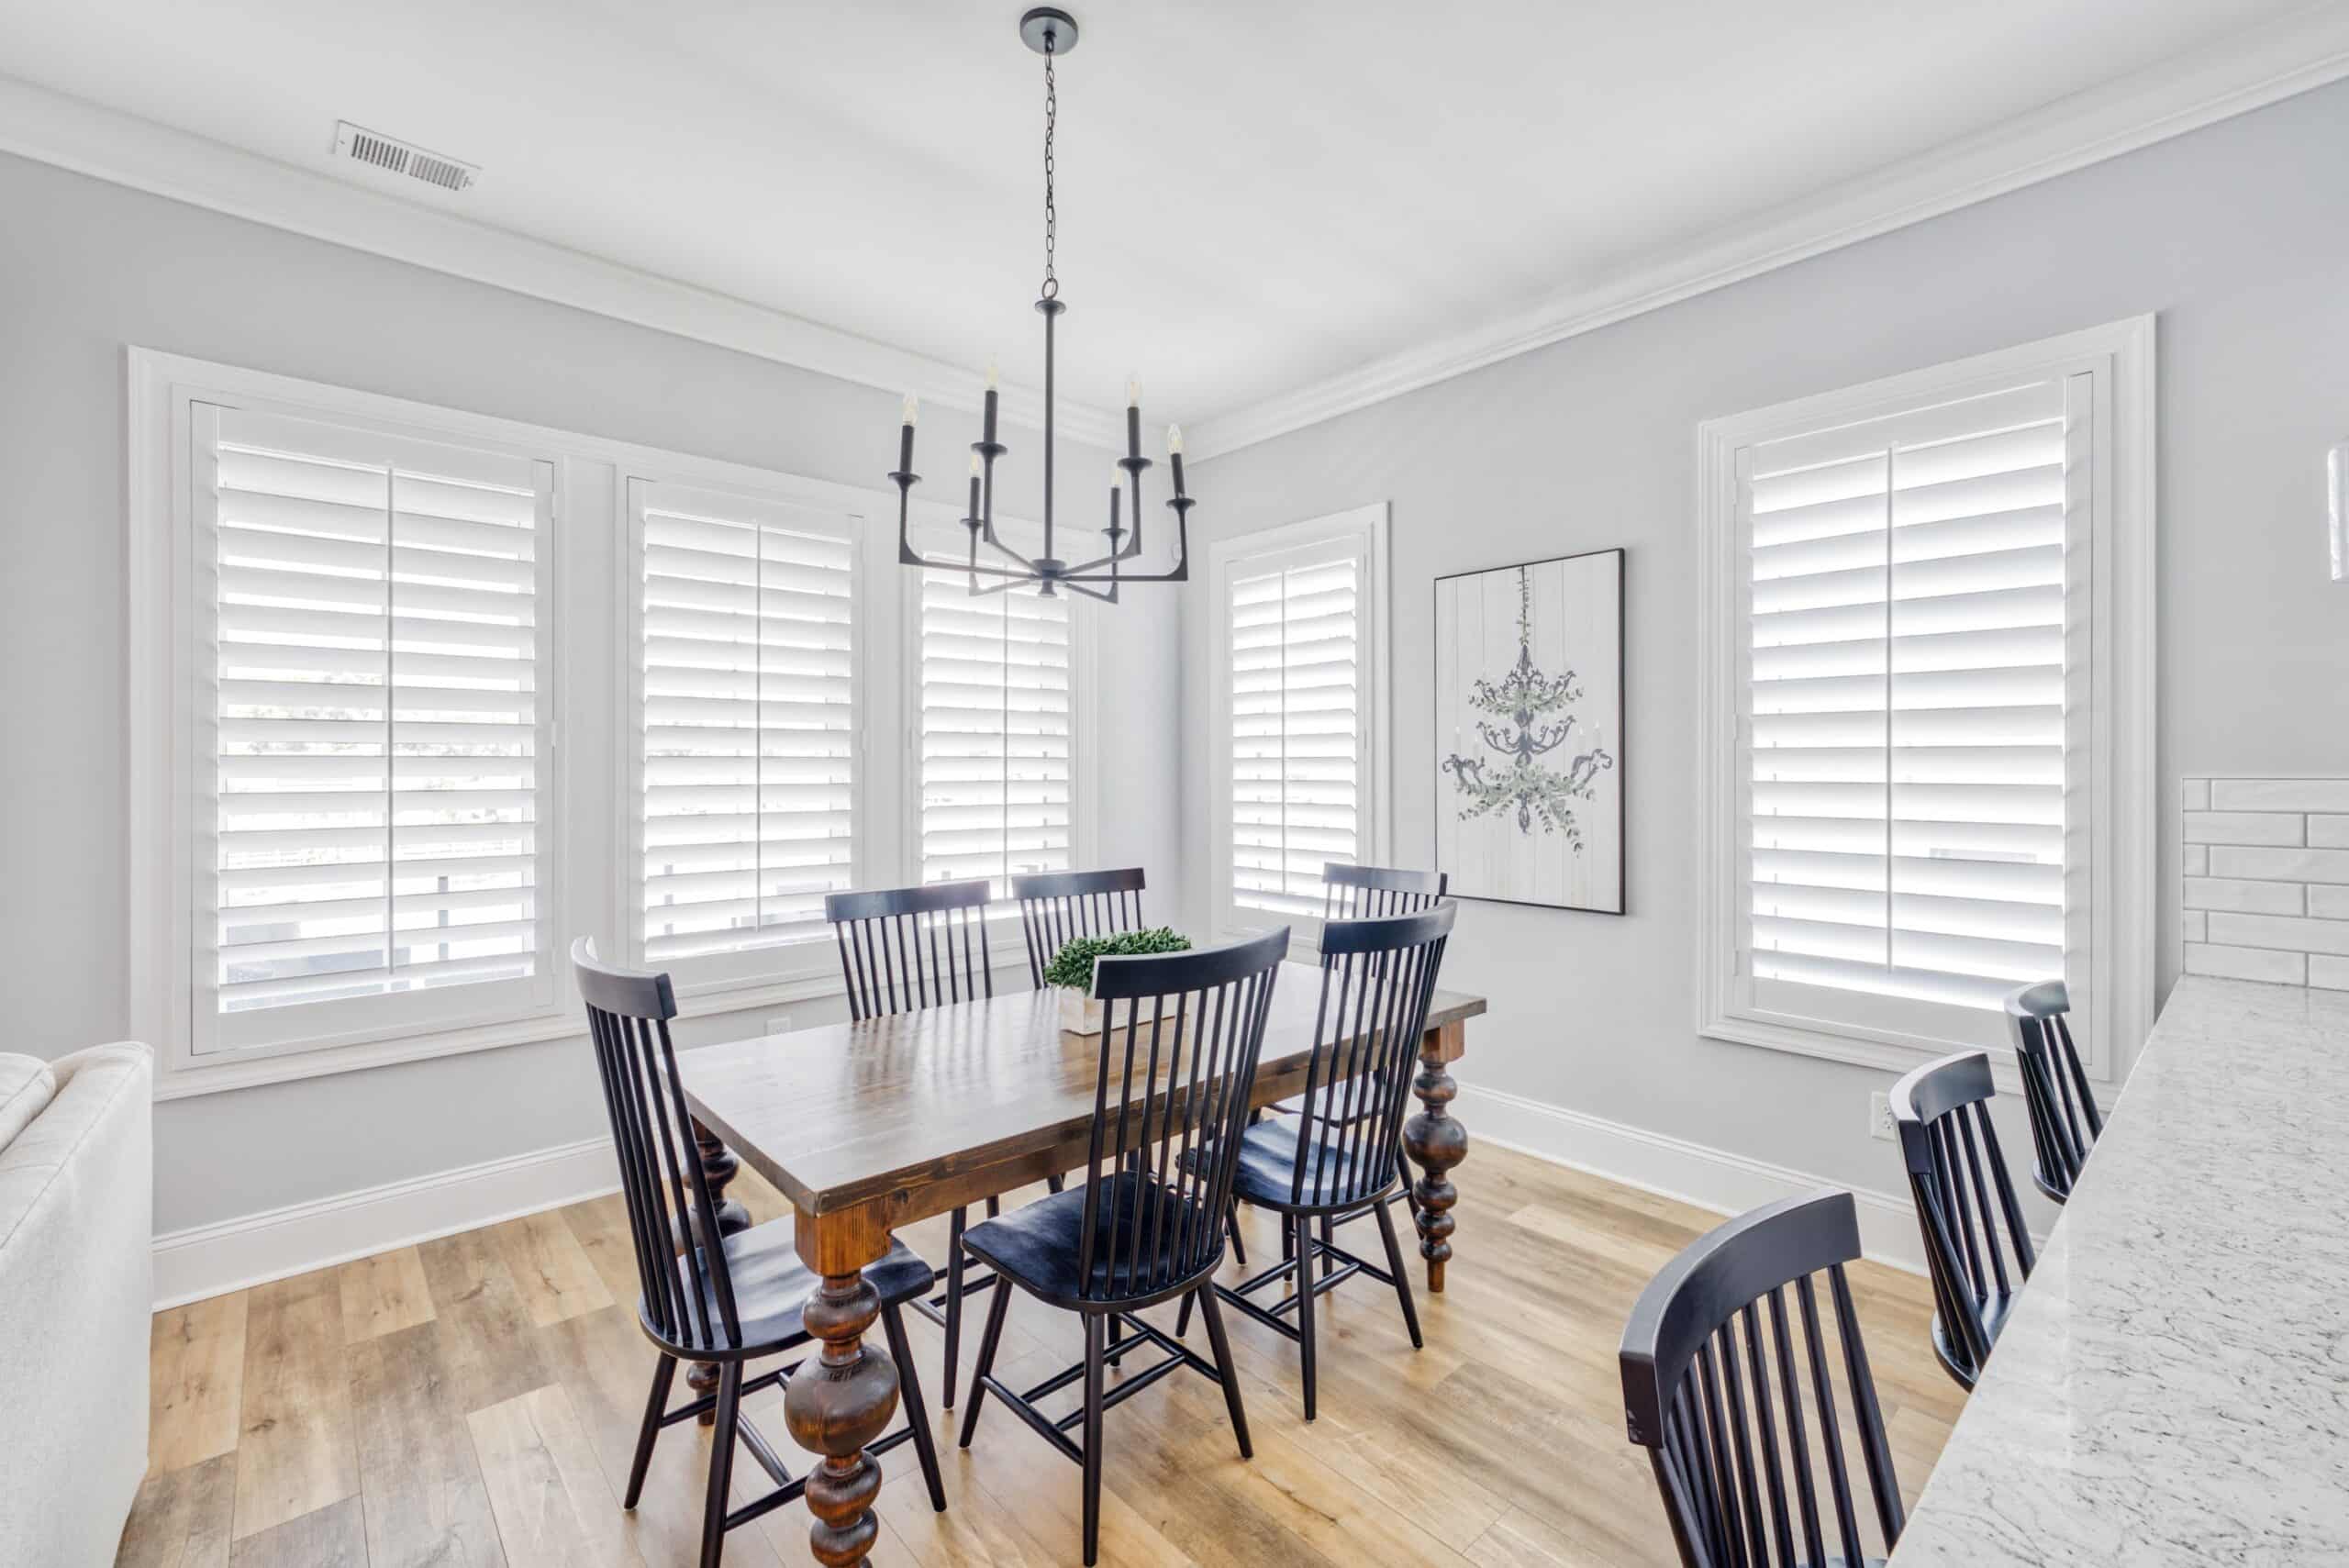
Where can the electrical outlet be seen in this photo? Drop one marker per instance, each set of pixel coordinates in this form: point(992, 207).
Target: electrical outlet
point(1880, 1116)
point(779, 1024)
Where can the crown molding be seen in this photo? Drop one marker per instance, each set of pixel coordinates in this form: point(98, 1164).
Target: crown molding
point(88, 139)
point(2306, 50)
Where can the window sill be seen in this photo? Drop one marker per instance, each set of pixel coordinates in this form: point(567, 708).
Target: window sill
point(1858, 1050)
point(201, 1076)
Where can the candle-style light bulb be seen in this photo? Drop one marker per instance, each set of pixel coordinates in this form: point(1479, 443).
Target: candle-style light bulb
point(974, 465)
point(1133, 392)
point(913, 408)
point(1117, 479)
point(1174, 440)
point(994, 373)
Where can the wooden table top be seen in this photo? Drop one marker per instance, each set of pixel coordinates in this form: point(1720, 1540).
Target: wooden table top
point(936, 1108)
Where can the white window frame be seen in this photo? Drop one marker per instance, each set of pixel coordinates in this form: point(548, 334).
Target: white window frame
point(1363, 529)
point(588, 648)
point(2116, 1002)
point(1083, 716)
point(162, 832)
point(794, 970)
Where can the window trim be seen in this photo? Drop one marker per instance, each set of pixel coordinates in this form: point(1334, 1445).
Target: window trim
point(801, 965)
point(587, 809)
point(2121, 788)
point(1366, 528)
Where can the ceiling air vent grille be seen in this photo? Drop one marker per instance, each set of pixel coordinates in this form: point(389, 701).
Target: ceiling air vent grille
point(395, 157)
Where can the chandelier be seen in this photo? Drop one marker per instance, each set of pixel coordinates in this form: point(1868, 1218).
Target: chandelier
point(1051, 33)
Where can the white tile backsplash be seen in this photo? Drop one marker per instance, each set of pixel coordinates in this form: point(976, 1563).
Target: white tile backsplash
point(2265, 879)
point(2245, 828)
point(2279, 794)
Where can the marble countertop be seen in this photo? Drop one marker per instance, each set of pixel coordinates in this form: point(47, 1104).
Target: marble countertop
point(2174, 1384)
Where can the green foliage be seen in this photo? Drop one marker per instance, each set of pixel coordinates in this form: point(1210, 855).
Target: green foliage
point(1073, 964)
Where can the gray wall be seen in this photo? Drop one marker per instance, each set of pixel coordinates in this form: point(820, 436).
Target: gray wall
point(86, 268)
point(2237, 235)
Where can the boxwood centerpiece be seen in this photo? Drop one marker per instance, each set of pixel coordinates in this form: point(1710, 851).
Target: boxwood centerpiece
point(1071, 971)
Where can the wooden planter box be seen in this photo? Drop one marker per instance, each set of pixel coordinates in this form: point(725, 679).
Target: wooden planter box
point(1080, 1014)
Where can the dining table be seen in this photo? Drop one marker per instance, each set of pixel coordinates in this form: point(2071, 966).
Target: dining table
point(868, 1126)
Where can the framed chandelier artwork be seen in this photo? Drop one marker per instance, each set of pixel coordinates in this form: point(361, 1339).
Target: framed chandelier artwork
point(1529, 732)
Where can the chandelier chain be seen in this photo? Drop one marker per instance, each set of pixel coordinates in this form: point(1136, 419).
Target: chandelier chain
point(1051, 212)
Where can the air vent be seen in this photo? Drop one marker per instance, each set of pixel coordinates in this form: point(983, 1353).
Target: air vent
point(407, 160)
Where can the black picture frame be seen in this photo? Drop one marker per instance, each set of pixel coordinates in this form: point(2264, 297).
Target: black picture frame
point(1622, 748)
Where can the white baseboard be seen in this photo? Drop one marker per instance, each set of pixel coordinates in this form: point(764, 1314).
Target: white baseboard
point(254, 1248)
point(1675, 1168)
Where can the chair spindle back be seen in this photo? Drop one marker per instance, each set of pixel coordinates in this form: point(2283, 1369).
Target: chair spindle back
point(1378, 978)
point(668, 1196)
point(1943, 1113)
point(1365, 893)
point(1717, 1398)
point(904, 949)
point(1056, 907)
point(1182, 1033)
point(2064, 1120)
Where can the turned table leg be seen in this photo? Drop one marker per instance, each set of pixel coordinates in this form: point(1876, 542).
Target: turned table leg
point(1436, 1142)
point(844, 1399)
point(719, 1165)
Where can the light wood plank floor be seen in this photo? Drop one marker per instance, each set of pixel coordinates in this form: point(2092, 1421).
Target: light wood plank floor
point(473, 1401)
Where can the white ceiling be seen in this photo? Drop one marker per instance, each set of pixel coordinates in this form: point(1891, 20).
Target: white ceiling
point(1254, 197)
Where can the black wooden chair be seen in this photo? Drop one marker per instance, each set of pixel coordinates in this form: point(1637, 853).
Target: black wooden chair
point(737, 1302)
point(1342, 1157)
point(2063, 1121)
point(1148, 1223)
point(1358, 893)
point(1943, 1113)
point(1055, 907)
point(1717, 1400)
point(1365, 893)
point(904, 949)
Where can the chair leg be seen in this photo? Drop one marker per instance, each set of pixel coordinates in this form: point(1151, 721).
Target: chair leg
point(1115, 1328)
point(996, 1308)
point(1095, 1333)
point(1239, 1247)
point(1183, 1319)
point(1304, 1306)
point(1395, 1267)
point(1055, 1184)
point(1213, 1313)
point(721, 1462)
point(1329, 1229)
point(995, 1209)
point(654, 1409)
point(893, 1322)
point(953, 1302)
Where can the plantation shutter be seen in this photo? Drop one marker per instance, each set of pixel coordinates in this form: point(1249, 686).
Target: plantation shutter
point(1297, 633)
point(995, 737)
point(369, 727)
point(745, 797)
point(1912, 698)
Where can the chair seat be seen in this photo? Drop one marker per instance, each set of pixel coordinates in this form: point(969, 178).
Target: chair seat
point(1268, 1166)
point(772, 1288)
point(1040, 1244)
point(1994, 1319)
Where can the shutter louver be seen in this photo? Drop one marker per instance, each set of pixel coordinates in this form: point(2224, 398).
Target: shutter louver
point(996, 791)
point(374, 711)
point(1908, 701)
point(747, 746)
point(1295, 731)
